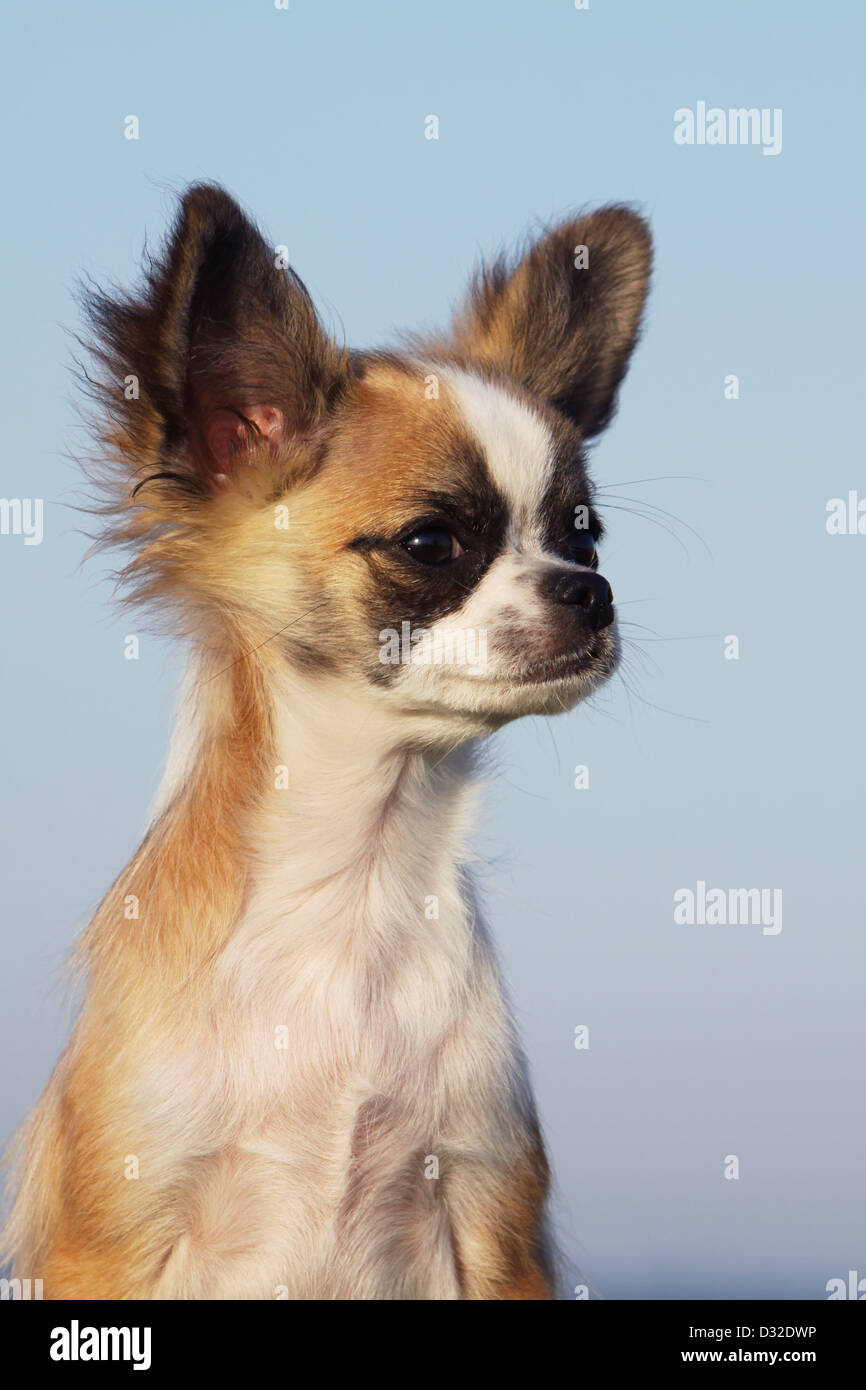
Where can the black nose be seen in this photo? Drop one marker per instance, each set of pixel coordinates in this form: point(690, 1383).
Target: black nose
point(588, 591)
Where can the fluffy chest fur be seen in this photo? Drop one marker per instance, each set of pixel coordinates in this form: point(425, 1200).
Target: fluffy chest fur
point(349, 1047)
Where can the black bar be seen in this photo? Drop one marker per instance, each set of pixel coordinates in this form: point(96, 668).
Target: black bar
point(245, 1337)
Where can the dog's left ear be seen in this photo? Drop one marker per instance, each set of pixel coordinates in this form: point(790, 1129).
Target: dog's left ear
point(564, 320)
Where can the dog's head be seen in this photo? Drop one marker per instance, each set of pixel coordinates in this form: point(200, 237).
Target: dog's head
point(417, 525)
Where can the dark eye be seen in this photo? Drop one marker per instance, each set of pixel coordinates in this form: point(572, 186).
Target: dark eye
point(582, 550)
point(433, 546)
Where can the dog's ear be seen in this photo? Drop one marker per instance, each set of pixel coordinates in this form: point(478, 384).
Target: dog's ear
point(564, 319)
point(221, 357)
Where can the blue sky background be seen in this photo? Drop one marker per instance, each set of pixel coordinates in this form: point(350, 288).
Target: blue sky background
point(705, 1041)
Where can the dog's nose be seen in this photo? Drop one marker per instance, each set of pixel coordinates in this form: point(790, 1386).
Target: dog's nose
point(588, 591)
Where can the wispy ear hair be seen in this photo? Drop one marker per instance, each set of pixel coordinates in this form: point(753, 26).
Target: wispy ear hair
point(563, 318)
point(215, 373)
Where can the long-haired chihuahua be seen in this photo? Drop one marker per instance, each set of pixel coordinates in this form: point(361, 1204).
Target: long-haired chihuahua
point(294, 1073)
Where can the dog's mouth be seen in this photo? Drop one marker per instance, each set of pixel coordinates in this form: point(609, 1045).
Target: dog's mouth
point(594, 662)
point(547, 685)
point(564, 667)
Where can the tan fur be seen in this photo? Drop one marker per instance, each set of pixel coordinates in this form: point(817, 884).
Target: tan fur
point(498, 1242)
point(73, 1212)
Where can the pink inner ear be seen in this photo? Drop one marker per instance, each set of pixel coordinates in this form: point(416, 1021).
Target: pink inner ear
point(226, 435)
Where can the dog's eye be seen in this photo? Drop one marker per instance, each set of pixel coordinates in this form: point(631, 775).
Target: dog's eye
point(582, 550)
point(433, 546)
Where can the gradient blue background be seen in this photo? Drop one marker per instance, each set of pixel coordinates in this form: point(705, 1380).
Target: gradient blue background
point(705, 1041)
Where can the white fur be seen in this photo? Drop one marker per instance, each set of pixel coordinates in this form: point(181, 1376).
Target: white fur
point(310, 1161)
point(516, 441)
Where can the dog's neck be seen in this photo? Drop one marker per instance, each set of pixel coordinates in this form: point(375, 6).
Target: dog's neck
point(349, 797)
point(331, 790)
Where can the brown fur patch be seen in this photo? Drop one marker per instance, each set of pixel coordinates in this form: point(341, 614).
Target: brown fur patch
point(498, 1237)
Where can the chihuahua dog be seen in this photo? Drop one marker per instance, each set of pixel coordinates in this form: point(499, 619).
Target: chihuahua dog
point(294, 1073)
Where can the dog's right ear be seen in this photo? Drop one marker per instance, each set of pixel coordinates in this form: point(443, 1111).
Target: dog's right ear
point(221, 357)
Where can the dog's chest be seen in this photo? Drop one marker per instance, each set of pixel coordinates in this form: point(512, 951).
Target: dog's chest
point(349, 1046)
point(340, 1079)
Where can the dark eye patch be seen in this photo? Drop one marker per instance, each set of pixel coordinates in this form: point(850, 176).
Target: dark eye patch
point(402, 590)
